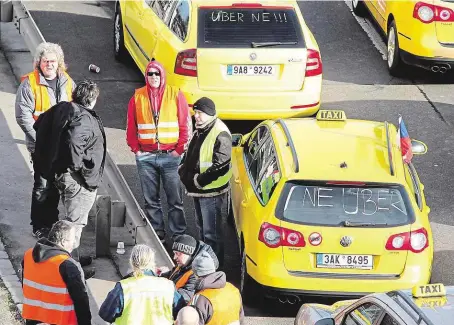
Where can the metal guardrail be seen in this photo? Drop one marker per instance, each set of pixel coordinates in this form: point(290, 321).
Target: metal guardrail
point(113, 181)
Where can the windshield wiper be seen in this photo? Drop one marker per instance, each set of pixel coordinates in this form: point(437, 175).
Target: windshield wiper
point(266, 44)
point(348, 223)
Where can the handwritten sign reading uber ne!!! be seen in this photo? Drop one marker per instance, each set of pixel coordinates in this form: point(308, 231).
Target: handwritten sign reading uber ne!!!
point(354, 200)
point(241, 17)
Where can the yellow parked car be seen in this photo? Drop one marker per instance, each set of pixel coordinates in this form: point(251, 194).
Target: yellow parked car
point(254, 59)
point(326, 206)
point(418, 33)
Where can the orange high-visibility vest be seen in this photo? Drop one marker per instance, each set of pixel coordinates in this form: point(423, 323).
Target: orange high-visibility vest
point(226, 304)
point(183, 279)
point(46, 298)
point(167, 131)
point(41, 94)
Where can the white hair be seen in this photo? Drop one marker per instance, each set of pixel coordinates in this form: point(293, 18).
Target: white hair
point(188, 316)
point(46, 48)
point(142, 258)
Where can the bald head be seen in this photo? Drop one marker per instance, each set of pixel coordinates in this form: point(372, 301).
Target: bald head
point(188, 316)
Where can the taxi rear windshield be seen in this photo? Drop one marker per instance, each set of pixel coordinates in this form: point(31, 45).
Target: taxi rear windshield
point(249, 28)
point(374, 205)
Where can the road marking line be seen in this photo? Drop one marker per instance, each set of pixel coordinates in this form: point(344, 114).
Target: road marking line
point(373, 35)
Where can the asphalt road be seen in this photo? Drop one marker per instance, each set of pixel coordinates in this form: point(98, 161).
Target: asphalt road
point(355, 80)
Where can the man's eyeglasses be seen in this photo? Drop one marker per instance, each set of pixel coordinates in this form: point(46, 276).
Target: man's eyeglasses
point(153, 73)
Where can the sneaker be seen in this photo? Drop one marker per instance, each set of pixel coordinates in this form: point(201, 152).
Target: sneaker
point(85, 260)
point(89, 273)
point(41, 233)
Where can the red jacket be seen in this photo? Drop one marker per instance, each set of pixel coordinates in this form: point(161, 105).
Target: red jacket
point(184, 119)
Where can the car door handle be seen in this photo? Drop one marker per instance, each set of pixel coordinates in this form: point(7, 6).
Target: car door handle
point(237, 180)
point(244, 203)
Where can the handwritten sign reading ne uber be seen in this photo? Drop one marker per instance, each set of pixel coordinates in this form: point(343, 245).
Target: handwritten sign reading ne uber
point(235, 16)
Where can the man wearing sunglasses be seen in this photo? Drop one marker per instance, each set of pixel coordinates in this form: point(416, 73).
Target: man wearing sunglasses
point(157, 131)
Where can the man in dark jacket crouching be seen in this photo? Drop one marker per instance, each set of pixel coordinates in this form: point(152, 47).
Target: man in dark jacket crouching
point(71, 148)
point(205, 171)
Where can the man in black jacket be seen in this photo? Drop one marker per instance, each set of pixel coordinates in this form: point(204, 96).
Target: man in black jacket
point(185, 249)
point(46, 268)
point(205, 171)
point(71, 147)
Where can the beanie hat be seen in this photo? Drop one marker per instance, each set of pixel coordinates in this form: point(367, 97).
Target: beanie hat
point(205, 105)
point(185, 244)
point(203, 264)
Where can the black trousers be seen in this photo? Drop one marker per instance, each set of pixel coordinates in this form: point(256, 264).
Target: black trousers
point(45, 198)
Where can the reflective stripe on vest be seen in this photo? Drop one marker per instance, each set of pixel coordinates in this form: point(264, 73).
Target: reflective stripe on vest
point(183, 279)
point(226, 304)
point(206, 155)
point(41, 93)
point(46, 297)
point(168, 129)
point(147, 300)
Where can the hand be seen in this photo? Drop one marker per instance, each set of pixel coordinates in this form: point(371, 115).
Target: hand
point(139, 153)
point(162, 269)
point(174, 154)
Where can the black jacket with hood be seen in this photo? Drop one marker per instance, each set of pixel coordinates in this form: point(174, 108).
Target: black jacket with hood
point(216, 280)
point(70, 136)
point(187, 291)
point(71, 273)
point(189, 169)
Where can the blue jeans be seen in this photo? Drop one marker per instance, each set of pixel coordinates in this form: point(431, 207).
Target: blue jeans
point(154, 169)
point(210, 214)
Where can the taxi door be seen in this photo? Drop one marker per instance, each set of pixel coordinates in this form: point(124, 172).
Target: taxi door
point(380, 6)
point(154, 18)
point(134, 14)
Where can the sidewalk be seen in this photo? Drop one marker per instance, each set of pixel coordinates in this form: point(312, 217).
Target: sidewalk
point(16, 184)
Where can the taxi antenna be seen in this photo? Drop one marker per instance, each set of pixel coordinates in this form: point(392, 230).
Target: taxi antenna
point(390, 153)
point(290, 144)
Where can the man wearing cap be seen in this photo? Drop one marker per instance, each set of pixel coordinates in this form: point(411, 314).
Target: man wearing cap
point(216, 300)
point(206, 171)
point(185, 249)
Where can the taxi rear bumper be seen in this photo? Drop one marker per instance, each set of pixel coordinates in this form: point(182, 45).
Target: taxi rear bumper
point(434, 64)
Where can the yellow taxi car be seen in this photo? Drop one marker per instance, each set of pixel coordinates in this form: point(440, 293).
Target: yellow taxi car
point(326, 206)
point(431, 304)
point(254, 59)
point(418, 33)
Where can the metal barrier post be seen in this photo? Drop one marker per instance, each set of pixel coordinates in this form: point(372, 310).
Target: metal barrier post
point(103, 222)
point(6, 11)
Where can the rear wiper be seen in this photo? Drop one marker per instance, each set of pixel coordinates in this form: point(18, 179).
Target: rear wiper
point(348, 223)
point(265, 44)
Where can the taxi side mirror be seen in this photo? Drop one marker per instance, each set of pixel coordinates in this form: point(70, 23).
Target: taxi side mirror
point(418, 147)
point(237, 139)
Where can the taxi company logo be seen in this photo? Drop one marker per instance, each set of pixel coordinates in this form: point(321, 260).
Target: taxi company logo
point(253, 56)
point(346, 241)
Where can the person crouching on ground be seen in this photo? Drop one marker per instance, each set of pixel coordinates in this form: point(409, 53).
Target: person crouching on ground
point(141, 297)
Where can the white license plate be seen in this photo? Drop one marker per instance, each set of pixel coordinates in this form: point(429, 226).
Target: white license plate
point(341, 261)
point(251, 70)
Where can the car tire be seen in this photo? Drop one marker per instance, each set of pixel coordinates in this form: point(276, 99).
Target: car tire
point(395, 64)
point(359, 8)
point(118, 38)
point(249, 288)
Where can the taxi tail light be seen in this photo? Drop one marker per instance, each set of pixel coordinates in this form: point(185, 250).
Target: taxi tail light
point(275, 236)
point(415, 241)
point(314, 65)
point(428, 13)
point(186, 63)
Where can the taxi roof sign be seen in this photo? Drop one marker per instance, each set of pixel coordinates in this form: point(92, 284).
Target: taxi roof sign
point(331, 115)
point(429, 290)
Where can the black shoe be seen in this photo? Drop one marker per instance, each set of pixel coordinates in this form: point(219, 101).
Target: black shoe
point(89, 273)
point(85, 260)
point(41, 233)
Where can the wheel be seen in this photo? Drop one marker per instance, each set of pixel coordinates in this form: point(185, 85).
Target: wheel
point(395, 64)
point(359, 8)
point(119, 41)
point(249, 288)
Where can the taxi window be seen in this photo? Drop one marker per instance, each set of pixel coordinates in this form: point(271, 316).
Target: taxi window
point(366, 314)
point(414, 184)
point(180, 20)
point(162, 8)
point(314, 203)
point(239, 27)
point(388, 320)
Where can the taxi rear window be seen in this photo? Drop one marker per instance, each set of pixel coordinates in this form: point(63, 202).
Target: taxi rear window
point(372, 205)
point(249, 28)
